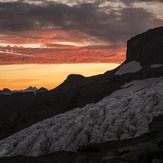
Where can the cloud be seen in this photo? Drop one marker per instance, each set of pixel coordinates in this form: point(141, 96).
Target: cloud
point(112, 25)
point(88, 32)
point(53, 54)
point(128, 1)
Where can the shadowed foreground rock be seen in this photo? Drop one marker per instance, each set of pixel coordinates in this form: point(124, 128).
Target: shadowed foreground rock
point(157, 124)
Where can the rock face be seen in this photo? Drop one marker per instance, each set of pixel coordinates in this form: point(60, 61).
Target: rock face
point(146, 48)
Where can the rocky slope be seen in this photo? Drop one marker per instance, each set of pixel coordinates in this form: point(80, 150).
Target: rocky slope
point(19, 111)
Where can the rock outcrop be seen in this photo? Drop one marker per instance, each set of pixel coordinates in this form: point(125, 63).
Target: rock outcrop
point(146, 48)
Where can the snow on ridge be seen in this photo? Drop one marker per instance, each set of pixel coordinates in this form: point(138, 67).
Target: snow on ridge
point(156, 65)
point(134, 86)
point(130, 67)
point(113, 118)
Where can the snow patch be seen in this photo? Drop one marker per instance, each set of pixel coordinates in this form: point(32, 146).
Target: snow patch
point(113, 118)
point(156, 65)
point(134, 86)
point(130, 67)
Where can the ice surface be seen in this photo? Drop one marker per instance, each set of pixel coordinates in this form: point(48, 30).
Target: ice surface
point(134, 86)
point(130, 67)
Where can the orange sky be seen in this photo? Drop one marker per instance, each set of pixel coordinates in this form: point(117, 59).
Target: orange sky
point(41, 42)
point(45, 58)
point(21, 76)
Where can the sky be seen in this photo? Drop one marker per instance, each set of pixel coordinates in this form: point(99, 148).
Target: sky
point(71, 32)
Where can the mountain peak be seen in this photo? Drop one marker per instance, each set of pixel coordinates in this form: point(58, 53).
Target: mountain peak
point(75, 77)
point(31, 89)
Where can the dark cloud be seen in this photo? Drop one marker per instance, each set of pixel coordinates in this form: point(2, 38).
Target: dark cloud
point(114, 26)
point(133, 1)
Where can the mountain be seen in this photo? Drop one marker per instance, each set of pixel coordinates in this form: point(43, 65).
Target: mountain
point(42, 89)
point(124, 114)
point(5, 91)
point(19, 111)
point(34, 90)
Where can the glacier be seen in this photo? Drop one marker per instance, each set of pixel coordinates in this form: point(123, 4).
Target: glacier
point(126, 113)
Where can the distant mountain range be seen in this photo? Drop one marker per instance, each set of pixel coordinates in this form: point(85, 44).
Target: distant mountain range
point(34, 90)
point(119, 104)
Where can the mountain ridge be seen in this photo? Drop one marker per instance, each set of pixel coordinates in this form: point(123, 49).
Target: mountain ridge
point(7, 91)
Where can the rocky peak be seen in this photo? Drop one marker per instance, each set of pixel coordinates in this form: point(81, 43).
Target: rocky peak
point(72, 77)
point(5, 91)
point(30, 89)
point(42, 89)
point(146, 48)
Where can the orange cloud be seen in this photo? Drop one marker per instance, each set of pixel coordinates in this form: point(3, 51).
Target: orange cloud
point(57, 46)
point(65, 54)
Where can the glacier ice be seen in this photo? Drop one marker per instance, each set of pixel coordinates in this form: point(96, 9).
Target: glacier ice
point(119, 116)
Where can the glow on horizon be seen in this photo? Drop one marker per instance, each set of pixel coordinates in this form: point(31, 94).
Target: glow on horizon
point(16, 77)
point(34, 45)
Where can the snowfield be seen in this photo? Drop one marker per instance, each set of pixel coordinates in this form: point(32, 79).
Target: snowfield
point(130, 67)
point(156, 65)
point(119, 116)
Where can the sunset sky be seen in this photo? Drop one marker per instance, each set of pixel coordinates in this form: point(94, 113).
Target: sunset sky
point(42, 41)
